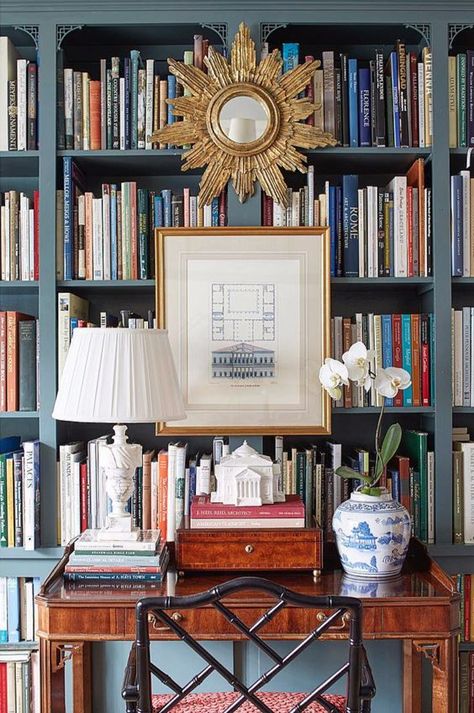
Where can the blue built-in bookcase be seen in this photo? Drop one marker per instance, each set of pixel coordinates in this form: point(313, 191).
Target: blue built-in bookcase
point(66, 33)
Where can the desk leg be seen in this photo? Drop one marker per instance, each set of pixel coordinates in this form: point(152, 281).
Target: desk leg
point(52, 678)
point(411, 678)
point(445, 676)
point(82, 677)
point(443, 656)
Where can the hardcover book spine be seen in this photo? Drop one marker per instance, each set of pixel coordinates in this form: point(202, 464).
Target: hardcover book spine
point(428, 93)
point(18, 487)
point(458, 507)
point(416, 359)
point(143, 232)
point(12, 115)
point(380, 131)
point(395, 98)
point(397, 351)
point(27, 364)
point(149, 103)
point(141, 108)
point(457, 247)
point(127, 106)
point(407, 356)
point(22, 104)
point(31, 498)
point(86, 114)
point(134, 59)
point(353, 103)
point(387, 347)
point(350, 225)
point(115, 79)
point(403, 94)
point(68, 109)
point(425, 360)
point(109, 108)
point(470, 97)
point(60, 120)
point(68, 218)
point(329, 93)
point(364, 107)
point(77, 110)
point(452, 103)
point(414, 100)
point(344, 99)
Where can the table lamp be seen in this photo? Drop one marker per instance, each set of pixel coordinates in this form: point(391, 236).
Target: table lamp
point(119, 376)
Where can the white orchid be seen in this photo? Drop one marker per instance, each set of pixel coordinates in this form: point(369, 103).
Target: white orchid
point(389, 381)
point(357, 361)
point(332, 375)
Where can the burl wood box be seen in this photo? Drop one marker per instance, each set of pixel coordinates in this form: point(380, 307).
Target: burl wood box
point(241, 550)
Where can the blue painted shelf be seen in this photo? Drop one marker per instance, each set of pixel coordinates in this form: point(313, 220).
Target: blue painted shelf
point(19, 414)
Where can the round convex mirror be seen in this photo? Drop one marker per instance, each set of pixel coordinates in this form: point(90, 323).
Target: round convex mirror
point(243, 119)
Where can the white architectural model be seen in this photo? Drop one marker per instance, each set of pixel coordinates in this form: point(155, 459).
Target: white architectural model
point(246, 477)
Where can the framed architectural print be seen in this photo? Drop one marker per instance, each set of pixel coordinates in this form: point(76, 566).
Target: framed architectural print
point(248, 316)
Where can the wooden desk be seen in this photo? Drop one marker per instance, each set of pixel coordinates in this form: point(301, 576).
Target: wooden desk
point(421, 607)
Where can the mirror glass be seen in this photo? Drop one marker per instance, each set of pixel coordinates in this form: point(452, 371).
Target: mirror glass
point(243, 119)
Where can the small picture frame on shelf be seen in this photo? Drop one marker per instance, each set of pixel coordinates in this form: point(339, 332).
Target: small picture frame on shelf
point(248, 316)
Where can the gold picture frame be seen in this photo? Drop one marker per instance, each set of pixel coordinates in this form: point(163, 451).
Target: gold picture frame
point(248, 316)
point(276, 97)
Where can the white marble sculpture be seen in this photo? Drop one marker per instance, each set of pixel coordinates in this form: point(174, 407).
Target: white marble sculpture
point(246, 477)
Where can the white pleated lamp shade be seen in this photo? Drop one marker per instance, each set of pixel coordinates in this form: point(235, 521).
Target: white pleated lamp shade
point(119, 376)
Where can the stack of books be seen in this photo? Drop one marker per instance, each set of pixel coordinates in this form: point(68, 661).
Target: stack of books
point(19, 360)
point(384, 100)
point(19, 493)
point(18, 100)
point(141, 560)
point(205, 514)
point(20, 684)
point(17, 609)
point(19, 236)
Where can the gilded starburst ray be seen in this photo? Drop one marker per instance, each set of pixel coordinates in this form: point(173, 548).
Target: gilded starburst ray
point(264, 160)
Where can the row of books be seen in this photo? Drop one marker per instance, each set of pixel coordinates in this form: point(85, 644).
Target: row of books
point(73, 312)
point(462, 361)
point(17, 608)
point(18, 100)
point(383, 101)
point(19, 236)
point(163, 488)
point(111, 236)
point(461, 99)
point(463, 482)
point(142, 560)
point(464, 584)
point(310, 474)
point(20, 682)
point(19, 362)
point(374, 231)
point(462, 224)
point(123, 106)
point(401, 340)
point(20, 476)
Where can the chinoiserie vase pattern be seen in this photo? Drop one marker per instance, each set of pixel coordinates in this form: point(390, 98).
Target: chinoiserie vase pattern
point(372, 535)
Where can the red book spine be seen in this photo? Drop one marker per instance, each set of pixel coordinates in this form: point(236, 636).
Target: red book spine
point(3, 361)
point(115, 569)
point(410, 229)
point(397, 351)
point(201, 508)
point(162, 492)
point(133, 223)
point(94, 114)
point(267, 210)
point(84, 497)
point(415, 141)
point(3, 687)
point(223, 208)
point(310, 92)
point(425, 361)
point(467, 607)
point(36, 235)
point(12, 361)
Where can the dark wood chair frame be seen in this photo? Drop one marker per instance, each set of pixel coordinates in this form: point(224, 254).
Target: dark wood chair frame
point(136, 689)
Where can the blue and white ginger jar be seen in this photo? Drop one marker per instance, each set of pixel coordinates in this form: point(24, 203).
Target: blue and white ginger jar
point(372, 535)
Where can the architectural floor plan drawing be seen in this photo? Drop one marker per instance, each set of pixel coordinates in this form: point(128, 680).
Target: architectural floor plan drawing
point(243, 312)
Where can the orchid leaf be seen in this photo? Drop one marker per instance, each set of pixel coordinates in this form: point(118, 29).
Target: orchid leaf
point(345, 472)
point(390, 443)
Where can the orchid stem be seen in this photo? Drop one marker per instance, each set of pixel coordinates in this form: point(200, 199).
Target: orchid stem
point(377, 445)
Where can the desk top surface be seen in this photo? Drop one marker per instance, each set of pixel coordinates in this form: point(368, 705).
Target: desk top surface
point(421, 578)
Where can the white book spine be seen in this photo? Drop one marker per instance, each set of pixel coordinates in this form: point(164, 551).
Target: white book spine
point(171, 510)
point(310, 195)
point(92, 465)
point(3, 605)
point(468, 491)
point(458, 359)
point(471, 356)
point(421, 104)
point(8, 57)
point(8, 275)
point(21, 104)
point(98, 265)
point(359, 338)
point(150, 70)
point(466, 361)
point(207, 216)
point(122, 113)
point(466, 223)
point(24, 234)
point(28, 496)
point(3, 252)
point(378, 351)
point(68, 102)
point(203, 477)
point(76, 498)
point(371, 233)
point(362, 231)
point(180, 468)
point(372, 361)
point(193, 211)
point(186, 492)
point(398, 185)
point(31, 242)
point(295, 209)
point(154, 494)
point(81, 253)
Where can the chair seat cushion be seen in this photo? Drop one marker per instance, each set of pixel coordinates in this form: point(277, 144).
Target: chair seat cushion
point(218, 702)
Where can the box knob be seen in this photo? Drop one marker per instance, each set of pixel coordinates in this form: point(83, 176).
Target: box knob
point(249, 549)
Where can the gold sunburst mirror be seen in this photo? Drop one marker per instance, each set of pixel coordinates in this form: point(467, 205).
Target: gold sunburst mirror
point(245, 121)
